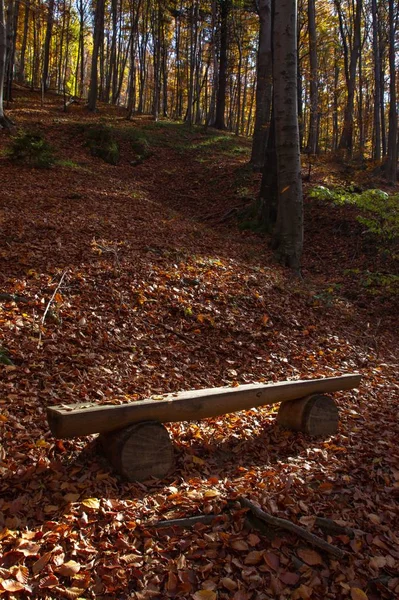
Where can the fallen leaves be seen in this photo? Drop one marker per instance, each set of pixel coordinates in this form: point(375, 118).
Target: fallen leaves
point(167, 304)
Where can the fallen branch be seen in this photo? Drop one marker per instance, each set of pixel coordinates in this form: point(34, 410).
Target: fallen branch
point(330, 526)
point(48, 306)
point(314, 540)
point(189, 522)
point(13, 298)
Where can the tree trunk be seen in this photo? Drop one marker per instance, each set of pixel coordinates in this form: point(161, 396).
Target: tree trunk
point(263, 86)
point(377, 84)
point(97, 42)
point(21, 73)
point(313, 84)
point(225, 6)
point(49, 31)
point(392, 158)
point(288, 234)
point(346, 141)
point(139, 452)
point(4, 122)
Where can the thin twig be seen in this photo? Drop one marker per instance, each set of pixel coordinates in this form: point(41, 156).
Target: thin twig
point(48, 306)
point(188, 522)
point(314, 540)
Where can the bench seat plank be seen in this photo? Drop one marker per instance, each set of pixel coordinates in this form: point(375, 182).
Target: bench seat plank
point(85, 419)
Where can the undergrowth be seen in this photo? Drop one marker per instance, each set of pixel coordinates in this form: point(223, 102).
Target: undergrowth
point(101, 141)
point(31, 148)
point(380, 213)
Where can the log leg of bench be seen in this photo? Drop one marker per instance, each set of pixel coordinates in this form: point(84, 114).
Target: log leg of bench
point(140, 451)
point(316, 415)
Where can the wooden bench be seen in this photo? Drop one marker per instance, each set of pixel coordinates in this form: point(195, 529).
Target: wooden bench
point(138, 446)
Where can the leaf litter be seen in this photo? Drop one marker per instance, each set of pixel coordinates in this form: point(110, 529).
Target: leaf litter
point(155, 299)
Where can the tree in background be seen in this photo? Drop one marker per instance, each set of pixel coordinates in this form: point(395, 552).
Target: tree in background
point(4, 122)
point(288, 233)
point(263, 85)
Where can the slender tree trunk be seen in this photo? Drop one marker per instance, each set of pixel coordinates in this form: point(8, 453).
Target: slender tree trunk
point(225, 6)
point(263, 86)
point(9, 50)
point(346, 141)
point(97, 42)
point(377, 84)
point(49, 31)
point(215, 75)
point(313, 84)
point(288, 234)
point(4, 121)
point(392, 159)
point(21, 73)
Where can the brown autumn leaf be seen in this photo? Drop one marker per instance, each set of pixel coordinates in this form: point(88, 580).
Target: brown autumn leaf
point(29, 548)
point(272, 560)
point(205, 595)
point(68, 569)
point(228, 583)
point(239, 545)
point(310, 557)
point(9, 585)
point(289, 578)
point(49, 582)
point(41, 563)
point(253, 558)
point(21, 574)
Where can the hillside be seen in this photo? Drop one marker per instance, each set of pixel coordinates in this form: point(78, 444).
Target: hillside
point(163, 289)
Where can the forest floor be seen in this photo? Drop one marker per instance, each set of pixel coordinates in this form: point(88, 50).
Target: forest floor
point(163, 290)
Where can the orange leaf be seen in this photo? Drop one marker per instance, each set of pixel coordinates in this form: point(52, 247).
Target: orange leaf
point(49, 582)
point(326, 486)
point(11, 586)
point(358, 594)
point(205, 595)
point(22, 574)
point(41, 563)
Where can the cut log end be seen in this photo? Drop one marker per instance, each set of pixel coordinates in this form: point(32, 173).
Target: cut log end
point(315, 415)
point(140, 451)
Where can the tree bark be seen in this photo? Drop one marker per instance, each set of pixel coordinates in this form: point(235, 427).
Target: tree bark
point(288, 234)
point(346, 141)
point(377, 84)
point(21, 72)
point(313, 84)
point(225, 6)
point(263, 86)
point(97, 42)
point(49, 31)
point(392, 158)
point(4, 122)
